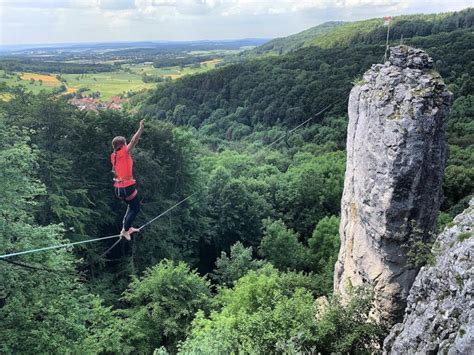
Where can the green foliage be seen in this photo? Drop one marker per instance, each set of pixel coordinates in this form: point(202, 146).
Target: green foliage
point(420, 247)
point(317, 284)
point(348, 33)
point(28, 65)
point(464, 236)
point(255, 315)
point(444, 220)
point(323, 248)
point(296, 41)
point(347, 328)
point(459, 280)
point(162, 305)
point(281, 247)
point(284, 199)
point(311, 189)
point(310, 78)
point(458, 182)
point(235, 209)
point(461, 119)
point(34, 304)
point(332, 34)
point(324, 243)
point(262, 315)
point(74, 165)
point(229, 269)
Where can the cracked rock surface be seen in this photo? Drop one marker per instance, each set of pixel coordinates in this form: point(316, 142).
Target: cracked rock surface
point(396, 154)
point(439, 317)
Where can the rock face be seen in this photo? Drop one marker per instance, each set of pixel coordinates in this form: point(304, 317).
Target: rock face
point(439, 317)
point(396, 155)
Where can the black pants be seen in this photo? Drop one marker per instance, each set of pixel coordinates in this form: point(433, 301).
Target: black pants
point(133, 207)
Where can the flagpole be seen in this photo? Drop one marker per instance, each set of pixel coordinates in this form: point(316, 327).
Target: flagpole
point(386, 43)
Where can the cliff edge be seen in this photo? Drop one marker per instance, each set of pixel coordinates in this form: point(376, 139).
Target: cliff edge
point(439, 317)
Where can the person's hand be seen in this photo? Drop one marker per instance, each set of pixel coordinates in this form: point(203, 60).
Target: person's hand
point(142, 123)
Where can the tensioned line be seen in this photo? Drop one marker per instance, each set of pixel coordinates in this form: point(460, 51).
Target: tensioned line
point(90, 240)
point(59, 246)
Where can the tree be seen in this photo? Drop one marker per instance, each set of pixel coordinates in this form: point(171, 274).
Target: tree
point(262, 314)
point(43, 295)
point(162, 304)
point(281, 247)
point(235, 211)
point(229, 269)
point(324, 243)
point(311, 189)
point(256, 314)
point(323, 249)
point(346, 327)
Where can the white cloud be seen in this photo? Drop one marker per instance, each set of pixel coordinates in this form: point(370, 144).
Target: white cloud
point(116, 4)
point(29, 21)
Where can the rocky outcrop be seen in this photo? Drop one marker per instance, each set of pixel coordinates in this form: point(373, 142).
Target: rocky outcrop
point(396, 155)
point(439, 317)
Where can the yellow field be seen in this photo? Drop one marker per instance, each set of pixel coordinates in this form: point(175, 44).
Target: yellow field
point(109, 84)
point(5, 96)
point(212, 61)
point(174, 76)
point(48, 80)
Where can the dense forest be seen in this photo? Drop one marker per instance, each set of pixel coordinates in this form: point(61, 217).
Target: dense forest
point(171, 60)
point(333, 34)
point(246, 264)
point(40, 66)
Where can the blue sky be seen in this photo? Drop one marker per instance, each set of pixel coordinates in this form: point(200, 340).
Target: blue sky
point(61, 21)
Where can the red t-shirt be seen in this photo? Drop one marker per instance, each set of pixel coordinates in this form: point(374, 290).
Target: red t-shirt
point(122, 165)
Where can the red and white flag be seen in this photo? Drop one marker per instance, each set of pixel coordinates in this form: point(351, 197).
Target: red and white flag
point(387, 20)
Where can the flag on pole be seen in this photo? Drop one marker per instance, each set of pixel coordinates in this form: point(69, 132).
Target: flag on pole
point(387, 20)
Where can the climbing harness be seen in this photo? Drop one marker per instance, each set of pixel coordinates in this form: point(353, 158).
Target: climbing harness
point(119, 190)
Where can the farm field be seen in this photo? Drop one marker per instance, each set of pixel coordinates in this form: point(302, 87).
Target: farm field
point(108, 84)
point(5, 97)
point(220, 51)
point(48, 82)
point(124, 80)
point(172, 72)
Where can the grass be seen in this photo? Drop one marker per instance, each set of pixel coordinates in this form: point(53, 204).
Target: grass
point(220, 51)
point(24, 79)
point(174, 72)
point(463, 236)
point(151, 70)
point(5, 96)
point(109, 83)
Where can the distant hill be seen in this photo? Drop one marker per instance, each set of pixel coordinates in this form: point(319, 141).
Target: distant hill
point(264, 91)
point(156, 46)
point(331, 34)
point(298, 40)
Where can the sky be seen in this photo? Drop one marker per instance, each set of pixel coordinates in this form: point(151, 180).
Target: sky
point(68, 21)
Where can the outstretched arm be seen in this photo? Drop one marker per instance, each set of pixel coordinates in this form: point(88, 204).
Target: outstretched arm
point(136, 136)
